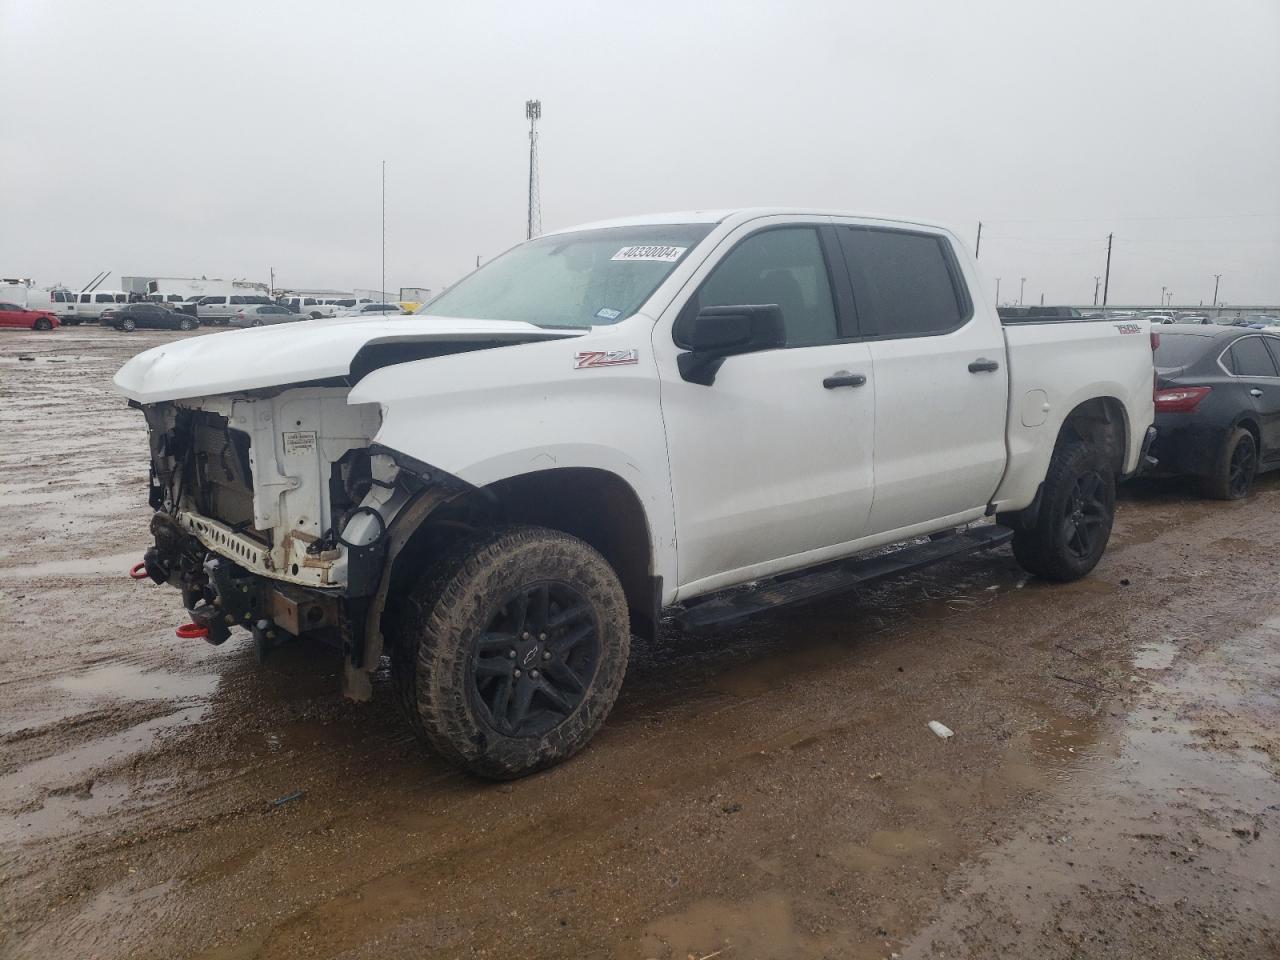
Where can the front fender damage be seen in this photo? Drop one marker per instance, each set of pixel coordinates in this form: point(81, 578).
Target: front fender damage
point(363, 638)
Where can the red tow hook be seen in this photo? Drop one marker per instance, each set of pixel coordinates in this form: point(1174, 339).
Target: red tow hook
point(139, 571)
point(192, 631)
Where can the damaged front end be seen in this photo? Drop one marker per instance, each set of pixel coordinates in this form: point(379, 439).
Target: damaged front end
point(276, 512)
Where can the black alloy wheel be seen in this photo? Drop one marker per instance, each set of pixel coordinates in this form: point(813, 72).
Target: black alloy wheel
point(531, 668)
point(1242, 468)
point(1086, 514)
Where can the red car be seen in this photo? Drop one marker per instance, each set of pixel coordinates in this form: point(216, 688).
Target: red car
point(12, 315)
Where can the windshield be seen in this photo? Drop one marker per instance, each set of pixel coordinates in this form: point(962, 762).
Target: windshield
point(579, 279)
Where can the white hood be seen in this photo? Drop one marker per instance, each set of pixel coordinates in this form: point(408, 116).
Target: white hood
point(289, 353)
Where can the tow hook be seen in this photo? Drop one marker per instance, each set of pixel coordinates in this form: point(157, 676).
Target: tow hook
point(192, 631)
point(210, 621)
point(151, 566)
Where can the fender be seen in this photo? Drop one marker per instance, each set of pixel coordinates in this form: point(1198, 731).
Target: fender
point(549, 412)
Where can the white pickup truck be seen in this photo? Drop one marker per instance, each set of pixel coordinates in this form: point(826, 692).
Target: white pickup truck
point(691, 417)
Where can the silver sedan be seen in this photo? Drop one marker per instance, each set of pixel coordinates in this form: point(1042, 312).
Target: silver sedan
point(259, 314)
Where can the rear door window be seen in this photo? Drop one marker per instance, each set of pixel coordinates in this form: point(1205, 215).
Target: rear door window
point(906, 282)
point(103, 298)
point(1251, 358)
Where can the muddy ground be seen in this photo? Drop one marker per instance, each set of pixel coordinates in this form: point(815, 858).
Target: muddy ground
point(770, 791)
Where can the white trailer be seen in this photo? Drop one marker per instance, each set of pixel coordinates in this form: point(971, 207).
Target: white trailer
point(179, 289)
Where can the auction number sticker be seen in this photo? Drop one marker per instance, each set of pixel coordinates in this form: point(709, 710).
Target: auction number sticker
point(299, 441)
point(659, 254)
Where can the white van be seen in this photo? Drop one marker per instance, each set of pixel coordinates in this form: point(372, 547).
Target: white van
point(220, 308)
point(89, 306)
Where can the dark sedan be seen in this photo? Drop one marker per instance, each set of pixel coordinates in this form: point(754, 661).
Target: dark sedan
point(135, 316)
point(1217, 406)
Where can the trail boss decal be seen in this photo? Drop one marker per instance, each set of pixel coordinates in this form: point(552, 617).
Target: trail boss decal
point(1128, 327)
point(605, 358)
point(662, 254)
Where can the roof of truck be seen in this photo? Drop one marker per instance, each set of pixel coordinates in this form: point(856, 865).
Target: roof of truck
point(739, 213)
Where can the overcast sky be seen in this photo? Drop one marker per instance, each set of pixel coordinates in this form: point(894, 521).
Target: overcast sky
point(222, 138)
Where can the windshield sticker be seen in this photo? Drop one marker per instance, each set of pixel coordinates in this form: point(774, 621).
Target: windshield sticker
point(661, 254)
point(605, 313)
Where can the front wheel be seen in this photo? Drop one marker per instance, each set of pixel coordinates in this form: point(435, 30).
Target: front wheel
point(1234, 467)
point(42, 324)
point(509, 653)
point(186, 324)
point(1077, 509)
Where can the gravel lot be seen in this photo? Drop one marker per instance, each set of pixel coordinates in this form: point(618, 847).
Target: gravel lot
point(770, 791)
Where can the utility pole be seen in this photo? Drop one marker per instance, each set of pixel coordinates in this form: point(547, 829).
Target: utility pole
point(1216, 277)
point(533, 113)
point(1097, 281)
point(1106, 281)
point(1162, 290)
point(384, 231)
point(273, 282)
point(1042, 299)
point(1021, 290)
point(977, 247)
point(997, 291)
point(477, 261)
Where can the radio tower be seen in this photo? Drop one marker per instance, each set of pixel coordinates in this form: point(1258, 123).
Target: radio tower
point(533, 113)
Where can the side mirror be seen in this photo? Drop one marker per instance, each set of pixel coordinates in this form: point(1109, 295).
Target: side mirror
point(714, 333)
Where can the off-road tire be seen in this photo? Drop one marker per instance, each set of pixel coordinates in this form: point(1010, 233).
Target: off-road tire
point(128, 325)
point(42, 324)
point(186, 324)
point(1234, 468)
point(1049, 549)
point(435, 635)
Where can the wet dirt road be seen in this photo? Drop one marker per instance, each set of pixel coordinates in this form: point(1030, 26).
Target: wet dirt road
point(1112, 788)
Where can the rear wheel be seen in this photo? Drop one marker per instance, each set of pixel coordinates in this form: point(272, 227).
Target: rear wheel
point(256, 323)
point(43, 324)
point(128, 325)
point(1077, 508)
point(509, 653)
point(1234, 467)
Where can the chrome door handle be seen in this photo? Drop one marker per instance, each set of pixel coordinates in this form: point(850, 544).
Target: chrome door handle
point(983, 365)
point(843, 378)
point(1255, 392)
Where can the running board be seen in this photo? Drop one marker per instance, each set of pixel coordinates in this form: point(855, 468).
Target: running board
point(831, 578)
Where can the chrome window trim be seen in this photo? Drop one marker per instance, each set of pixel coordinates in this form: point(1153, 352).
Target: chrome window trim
point(1261, 336)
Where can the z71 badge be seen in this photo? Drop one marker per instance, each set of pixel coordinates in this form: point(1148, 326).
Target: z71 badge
point(605, 358)
point(1126, 328)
